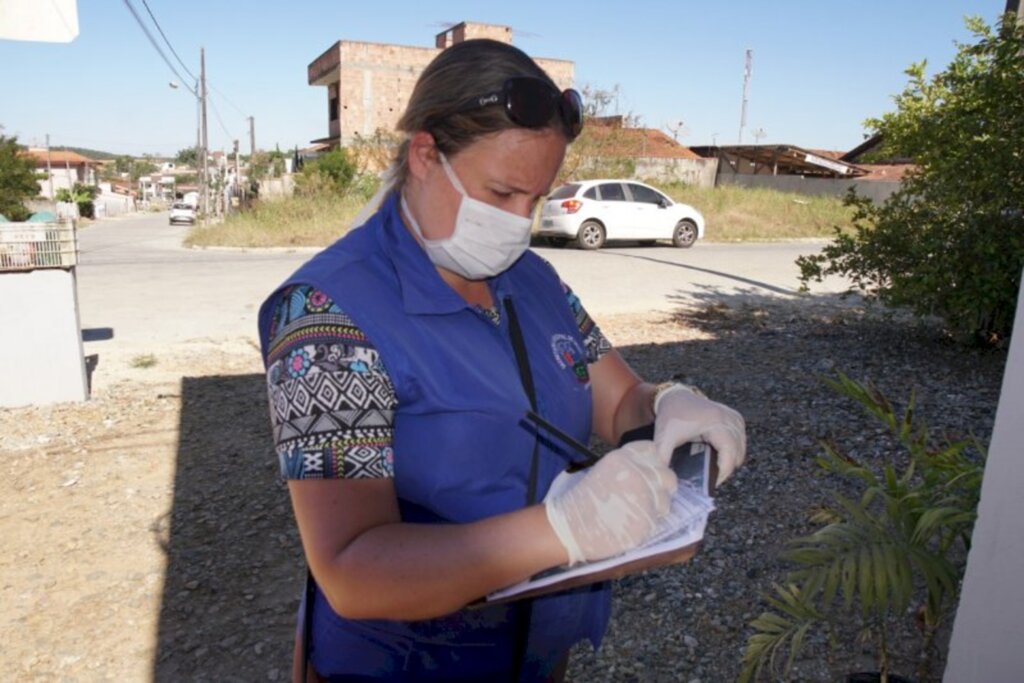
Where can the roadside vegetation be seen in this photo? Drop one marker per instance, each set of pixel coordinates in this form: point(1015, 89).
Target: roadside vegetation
point(741, 213)
point(321, 213)
point(293, 222)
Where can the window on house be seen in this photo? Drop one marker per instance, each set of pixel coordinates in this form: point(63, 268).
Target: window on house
point(333, 106)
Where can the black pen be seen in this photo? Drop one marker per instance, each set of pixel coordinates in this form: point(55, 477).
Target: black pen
point(591, 456)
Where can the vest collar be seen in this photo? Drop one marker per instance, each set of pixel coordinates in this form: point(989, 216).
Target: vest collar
point(423, 290)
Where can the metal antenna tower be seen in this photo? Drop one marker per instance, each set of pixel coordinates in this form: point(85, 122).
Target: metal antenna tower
point(747, 70)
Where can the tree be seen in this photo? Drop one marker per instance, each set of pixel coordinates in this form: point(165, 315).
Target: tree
point(80, 194)
point(332, 171)
point(601, 150)
point(141, 167)
point(123, 163)
point(17, 179)
point(187, 157)
point(950, 242)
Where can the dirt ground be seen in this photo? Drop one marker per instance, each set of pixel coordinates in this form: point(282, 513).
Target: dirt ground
point(144, 534)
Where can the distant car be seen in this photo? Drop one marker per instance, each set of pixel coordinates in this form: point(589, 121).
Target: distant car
point(182, 213)
point(592, 212)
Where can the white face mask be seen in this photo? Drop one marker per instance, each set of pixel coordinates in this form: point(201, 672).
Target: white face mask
point(486, 240)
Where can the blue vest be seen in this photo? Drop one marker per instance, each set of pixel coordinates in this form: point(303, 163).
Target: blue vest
point(462, 445)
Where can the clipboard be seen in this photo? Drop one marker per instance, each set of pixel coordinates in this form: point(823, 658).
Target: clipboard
point(690, 461)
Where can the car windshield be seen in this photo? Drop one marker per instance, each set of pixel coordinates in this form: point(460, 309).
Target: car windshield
point(181, 206)
point(564, 192)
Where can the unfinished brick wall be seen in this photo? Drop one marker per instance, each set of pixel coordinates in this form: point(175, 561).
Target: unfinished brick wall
point(370, 83)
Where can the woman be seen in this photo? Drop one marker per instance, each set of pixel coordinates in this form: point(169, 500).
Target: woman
point(402, 362)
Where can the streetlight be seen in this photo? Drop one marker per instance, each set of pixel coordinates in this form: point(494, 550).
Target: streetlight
point(199, 92)
point(200, 149)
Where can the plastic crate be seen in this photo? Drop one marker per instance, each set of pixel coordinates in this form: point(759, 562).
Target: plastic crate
point(28, 246)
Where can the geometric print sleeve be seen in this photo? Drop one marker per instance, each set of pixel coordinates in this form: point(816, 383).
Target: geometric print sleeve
point(332, 403)
point(595, 343)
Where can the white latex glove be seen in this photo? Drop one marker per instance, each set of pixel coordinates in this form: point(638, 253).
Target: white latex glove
point(681, 415)
point(614, 505)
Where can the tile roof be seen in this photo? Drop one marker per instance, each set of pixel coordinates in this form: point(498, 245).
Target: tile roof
point(885, 171)
point(57, 156)
point(633, 142)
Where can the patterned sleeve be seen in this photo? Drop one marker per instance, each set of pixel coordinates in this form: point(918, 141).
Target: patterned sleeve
point(594, 341)
point(332, 402)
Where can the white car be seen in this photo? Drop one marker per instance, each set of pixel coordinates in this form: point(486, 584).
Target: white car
point(182, 213)
point(593, 212)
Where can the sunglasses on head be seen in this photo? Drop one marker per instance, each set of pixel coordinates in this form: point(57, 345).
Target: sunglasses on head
point(531, 103)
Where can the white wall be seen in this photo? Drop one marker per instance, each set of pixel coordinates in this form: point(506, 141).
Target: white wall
point(699, 172)
point(986, 641)
point(63, 179)
point(41, 357)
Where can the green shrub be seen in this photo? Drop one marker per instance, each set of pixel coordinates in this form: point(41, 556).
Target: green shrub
point(332, 171)
point(82, 195)
point(950, 242)
point(17, 179)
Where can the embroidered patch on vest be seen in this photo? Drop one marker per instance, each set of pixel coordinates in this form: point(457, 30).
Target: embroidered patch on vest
point(569, 355)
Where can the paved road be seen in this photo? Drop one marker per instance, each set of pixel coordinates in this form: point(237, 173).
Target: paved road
point(138, 286)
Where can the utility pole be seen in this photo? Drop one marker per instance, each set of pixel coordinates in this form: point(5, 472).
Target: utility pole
point(252, 139)
point(205, 181)
point(49, 171)
point(236, 191)
point(746, 83)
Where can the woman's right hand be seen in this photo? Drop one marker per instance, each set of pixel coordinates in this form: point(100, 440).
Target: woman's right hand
point(615, 505)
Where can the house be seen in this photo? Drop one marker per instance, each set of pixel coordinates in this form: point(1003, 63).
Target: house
point(61, 169)
point(157, 187)
point(791, 168)
point(867, 156)
point(369, 84)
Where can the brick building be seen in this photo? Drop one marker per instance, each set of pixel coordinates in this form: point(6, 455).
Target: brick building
point(369, 84)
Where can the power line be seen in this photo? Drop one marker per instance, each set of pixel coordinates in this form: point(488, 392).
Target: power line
point(152, 40)
point(216, 113)
point(164, 36)
point(235, 106)
point(184, 66)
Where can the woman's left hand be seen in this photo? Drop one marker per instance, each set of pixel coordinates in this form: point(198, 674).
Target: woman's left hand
point(682, 415)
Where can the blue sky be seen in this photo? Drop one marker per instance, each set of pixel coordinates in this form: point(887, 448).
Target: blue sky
point(820, 67)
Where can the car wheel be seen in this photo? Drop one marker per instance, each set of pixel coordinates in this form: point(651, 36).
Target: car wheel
point(590, 236)
point(685, 234)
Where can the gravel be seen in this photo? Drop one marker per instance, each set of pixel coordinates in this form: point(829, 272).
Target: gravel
point(144, 534)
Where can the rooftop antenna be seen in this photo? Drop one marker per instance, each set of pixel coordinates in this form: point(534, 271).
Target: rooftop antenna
point(747, 70)
point(677, 128)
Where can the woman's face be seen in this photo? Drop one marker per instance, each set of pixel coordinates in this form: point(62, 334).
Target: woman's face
point(510, 170)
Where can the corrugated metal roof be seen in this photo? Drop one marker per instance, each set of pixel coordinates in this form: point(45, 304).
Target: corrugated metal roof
point(786, 159)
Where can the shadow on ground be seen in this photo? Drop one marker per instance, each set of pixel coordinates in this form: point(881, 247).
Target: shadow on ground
point(234, 569)
point(234, 565)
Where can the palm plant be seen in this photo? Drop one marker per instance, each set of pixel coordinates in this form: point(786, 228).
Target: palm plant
point(904, 537)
